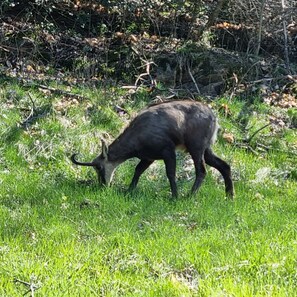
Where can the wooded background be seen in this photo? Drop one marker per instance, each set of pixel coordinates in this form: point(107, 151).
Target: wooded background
point(200, 47)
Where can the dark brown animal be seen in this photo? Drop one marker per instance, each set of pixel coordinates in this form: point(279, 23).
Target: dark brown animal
point(155, 133)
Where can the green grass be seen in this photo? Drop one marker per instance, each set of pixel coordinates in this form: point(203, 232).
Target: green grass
point(70, 237)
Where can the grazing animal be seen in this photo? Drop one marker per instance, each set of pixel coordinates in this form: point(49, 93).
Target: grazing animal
point(155, 133)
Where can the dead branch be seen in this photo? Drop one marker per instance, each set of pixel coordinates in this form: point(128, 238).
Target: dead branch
point(270, 148)
point(246, 146)
point(35, 113)
point(32, 118)
point(249, 139)
point(129, 87)
point(290, 77)
point(260, 29)
point(32, 111)
point(293, 78)
point(286, 53)
point(62, 92)
point(147, 73)
point(193, 79)
point(32, 287)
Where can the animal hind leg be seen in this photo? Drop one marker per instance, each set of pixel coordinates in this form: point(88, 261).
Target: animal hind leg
point(212, 160)
point(200, 170)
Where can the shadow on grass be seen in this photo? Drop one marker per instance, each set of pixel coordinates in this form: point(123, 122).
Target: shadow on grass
point(12, 135)
point(74, 184)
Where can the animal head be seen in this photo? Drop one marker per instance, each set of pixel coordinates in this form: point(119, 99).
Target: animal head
point(103, 167)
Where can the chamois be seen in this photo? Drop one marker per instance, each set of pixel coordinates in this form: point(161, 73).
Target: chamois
point(155, 133)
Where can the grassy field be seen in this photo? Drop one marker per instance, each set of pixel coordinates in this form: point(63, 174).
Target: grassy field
point(65, 235)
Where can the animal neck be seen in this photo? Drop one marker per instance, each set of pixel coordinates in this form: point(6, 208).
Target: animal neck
point(119, 151)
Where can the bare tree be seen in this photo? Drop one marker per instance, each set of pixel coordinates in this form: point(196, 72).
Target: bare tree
point(286, 50)
point(260, 28)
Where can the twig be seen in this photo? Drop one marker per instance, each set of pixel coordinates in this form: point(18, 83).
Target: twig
point(32, 111)
point(268, 148)
point(193, 79)
point(290, 77)
point(5, 49)
point(32, 286)
point(248, 140)
point(35, 113)
point(32, 101)
point(239, 82)
point(146, 73)
point(61, 92)
point(33, 117)
point(129, 87)
point(140, 77)
point(293, 78)
point(245, 145)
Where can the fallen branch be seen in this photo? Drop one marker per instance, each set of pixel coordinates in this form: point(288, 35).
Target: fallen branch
point(32, 118)
point(270, 148)
point(246, 146)
point(245, 143)
point(62, 92)
point(35, 113)
point(249, 139)
point(290, 77)
point(32, 286)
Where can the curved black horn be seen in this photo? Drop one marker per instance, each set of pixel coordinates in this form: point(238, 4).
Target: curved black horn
point(80, 163)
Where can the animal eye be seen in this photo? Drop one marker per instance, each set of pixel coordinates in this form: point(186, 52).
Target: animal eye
point(99, 169)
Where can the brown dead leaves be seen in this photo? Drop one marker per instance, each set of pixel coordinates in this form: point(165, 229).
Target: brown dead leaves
point(282, 100)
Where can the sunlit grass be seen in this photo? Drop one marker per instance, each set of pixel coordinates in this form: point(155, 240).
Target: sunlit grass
point(69, 237)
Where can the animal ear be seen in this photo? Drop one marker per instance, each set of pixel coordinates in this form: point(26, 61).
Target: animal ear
point(104, 148)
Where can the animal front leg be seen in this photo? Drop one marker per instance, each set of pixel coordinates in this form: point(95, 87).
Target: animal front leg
point(140, 168)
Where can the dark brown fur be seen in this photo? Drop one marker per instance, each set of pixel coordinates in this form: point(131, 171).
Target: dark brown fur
point(155, 133)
